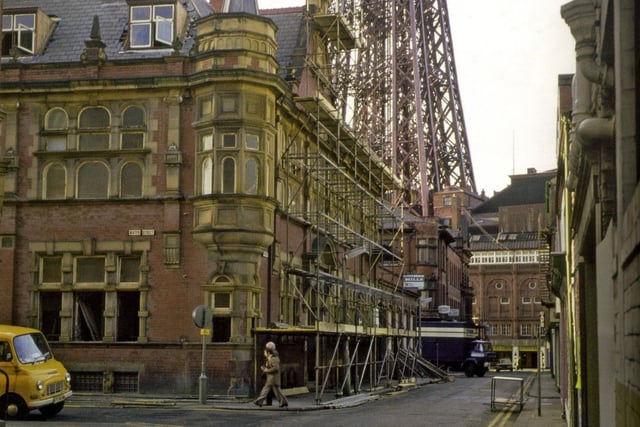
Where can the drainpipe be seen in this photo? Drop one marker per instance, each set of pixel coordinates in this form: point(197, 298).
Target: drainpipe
point(589, 130)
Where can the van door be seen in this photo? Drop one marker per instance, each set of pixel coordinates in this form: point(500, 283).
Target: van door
point(6, 365)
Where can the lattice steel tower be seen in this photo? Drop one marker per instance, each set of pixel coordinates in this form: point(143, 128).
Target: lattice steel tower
point(405, 93)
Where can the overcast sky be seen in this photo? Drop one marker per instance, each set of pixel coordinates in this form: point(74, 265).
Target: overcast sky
point(508, 54)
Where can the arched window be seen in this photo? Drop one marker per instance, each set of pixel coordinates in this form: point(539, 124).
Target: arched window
point(228, 175)
point(56, 124)
point(131, 180)
point(94, 129)
point(207, 176)
point(251, 176)
point(56, 119)
point(133, 128)
point(93, 181)
point(55, 182)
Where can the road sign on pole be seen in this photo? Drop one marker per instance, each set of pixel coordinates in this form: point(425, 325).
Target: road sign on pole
point(202, 318)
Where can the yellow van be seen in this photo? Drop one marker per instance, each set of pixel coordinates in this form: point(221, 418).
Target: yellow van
point(36, 379)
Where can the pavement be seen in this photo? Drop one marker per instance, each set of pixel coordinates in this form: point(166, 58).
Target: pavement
point(548, 412)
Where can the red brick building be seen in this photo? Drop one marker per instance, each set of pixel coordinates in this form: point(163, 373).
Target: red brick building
point(509, 241)
point(163, 155)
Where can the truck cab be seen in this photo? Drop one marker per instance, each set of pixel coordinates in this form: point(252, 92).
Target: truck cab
point(480, 358)
point(456, 345)
point(30, 377)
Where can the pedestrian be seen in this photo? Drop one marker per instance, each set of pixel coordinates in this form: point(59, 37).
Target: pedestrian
point(272, 383)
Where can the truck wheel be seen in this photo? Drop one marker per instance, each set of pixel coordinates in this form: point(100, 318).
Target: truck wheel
point(469, 369)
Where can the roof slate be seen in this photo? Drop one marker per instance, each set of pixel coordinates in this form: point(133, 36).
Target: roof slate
point(526, 189)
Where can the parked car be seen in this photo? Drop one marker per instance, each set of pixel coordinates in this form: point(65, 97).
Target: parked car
point(36, 379)
point(503, 365)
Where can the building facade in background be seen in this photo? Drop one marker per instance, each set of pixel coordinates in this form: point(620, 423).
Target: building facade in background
point(509, 241)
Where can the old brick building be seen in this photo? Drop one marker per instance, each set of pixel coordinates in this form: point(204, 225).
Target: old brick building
point(508, 238)
point(162, 155)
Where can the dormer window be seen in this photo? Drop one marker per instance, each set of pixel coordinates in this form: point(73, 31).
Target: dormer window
point(19, 33)
point(152, 26)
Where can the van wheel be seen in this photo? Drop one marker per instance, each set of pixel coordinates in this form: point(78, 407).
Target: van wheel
point(51, 410)
point(469, 369)
point(18, 403)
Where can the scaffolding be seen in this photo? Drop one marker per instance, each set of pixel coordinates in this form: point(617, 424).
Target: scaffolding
point(349, 174)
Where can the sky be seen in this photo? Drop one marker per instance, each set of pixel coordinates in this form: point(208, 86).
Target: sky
point(508, 55)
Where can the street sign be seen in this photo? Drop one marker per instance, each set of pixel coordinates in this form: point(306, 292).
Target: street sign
point(201, 316)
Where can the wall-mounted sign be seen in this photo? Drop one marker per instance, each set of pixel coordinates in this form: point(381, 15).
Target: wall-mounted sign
point(413, 281)
point(143, 232)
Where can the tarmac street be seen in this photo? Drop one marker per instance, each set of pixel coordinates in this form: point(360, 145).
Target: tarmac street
point(463, 402)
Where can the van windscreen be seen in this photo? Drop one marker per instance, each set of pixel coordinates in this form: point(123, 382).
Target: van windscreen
point(31, 348)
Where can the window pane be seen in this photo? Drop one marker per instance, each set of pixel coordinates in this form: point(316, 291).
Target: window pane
point(55, 182)
point(56, 119)
point(25, 39)
point(94, 142)
point(141, 13)
point(133, 117)
point(222, 300)
point(165, 12)
point(93, 181)
point(131, 180)
point(7, 22)
point(26, 21)
point(52, 269)
point(93, 118)
point(228, 176)
point(132, 141)
point(228, 140)
point(205, 107)
point(207, 176)
point(56, 143)
point(251, 177)
point(207, 142)
point(129, 269)
point(140, 35)
point(253, 142)
point(90, 270)
point(164, 32)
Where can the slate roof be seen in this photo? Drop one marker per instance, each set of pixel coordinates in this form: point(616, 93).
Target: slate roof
point(76, 18)
point(505, 241)
point(526, 189)
point(291, 39)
